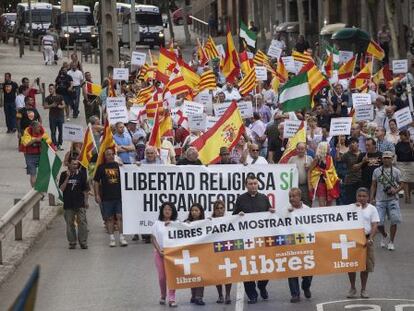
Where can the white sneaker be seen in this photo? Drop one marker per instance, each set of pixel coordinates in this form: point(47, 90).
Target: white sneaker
point(112, 242)
point(391, 246)
point(122, 240)
point(384, 241)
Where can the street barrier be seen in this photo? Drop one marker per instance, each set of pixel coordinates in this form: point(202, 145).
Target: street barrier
point(13, 219)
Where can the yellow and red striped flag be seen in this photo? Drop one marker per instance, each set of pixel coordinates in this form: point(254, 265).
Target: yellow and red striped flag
point(145, 94)
point(207, 81)
point(231, 66)
point(248, 83)
point(290, 151)
point(302, 57)
point(281, 72)
point(260, 58)
point(88, 148)
point(329, 65)
point(245, 63)
point(211, 49)
point(347, 69)
point(152, 107)
point(111, 89)
point(225, 133)
point(93, 89)
point(163, 126)
point(316, 79)
point(106, 143)
point(177, 85)
point(375, 50)
point(165, 61)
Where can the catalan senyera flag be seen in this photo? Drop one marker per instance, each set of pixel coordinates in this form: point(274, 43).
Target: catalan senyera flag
point(302, 57)
point(145, 94)
point(260, 58)
point(177, 86)
point(316, 79)
point(329, 66)
point(165, 60)
point(290, 151)
point(347, 69)
point(88, 148)
point(248, 83)
point(281, 72)
point(152, 107)
point(375, 50)
point(93, 89)
point(225, 133)
point(107, 142)
point(245, 63)
point(231, 66)
point(207, 81)
point(211, 49)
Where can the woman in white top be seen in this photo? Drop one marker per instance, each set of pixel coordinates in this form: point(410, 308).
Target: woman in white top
point(393, 133)
point(168, 213)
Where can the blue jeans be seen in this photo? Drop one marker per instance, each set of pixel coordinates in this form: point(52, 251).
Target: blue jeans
point(10, 114)
point(56, 124)
point(76, 100)
point(294, 285)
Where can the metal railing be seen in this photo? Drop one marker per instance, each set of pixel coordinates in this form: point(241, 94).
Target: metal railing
point(199, 26)
point(13, 219)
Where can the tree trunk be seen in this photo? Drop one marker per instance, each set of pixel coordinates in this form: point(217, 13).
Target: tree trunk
point(186, 30)
point(390, 19)
point(402, 46)
point(301, 17)
point(262, 26)
point(372, 13)
point(170, 23)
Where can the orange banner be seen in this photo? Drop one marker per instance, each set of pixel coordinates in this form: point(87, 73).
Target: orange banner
point(264, 246)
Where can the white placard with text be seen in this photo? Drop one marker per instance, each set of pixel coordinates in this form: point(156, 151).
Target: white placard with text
point(340, 126)
point(361, 99)
point(364, 112)
point(261, 73)
point(290, 128)
point(192, 108)
point(399, 66)
point(121, 74)
point(138, 58)
point(403, 117)
point(72, 132)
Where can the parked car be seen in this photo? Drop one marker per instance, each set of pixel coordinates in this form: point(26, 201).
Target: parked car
point(178, 18)
point(7, 21)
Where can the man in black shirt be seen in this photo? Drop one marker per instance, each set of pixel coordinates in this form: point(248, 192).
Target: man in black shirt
point(56, 106)
point(107, 188)
point(26, 115)
point(321, 116)
point(253, 202)
point(74, 186)
point(368, 162)
point(9, 90)
point(64, 87)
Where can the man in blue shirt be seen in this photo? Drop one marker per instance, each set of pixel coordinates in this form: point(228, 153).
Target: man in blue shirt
point(124, 145)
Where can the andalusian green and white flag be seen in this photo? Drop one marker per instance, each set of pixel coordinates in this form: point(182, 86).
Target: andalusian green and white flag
point(335, 53)
point(249, 36)
point(295, 94)
point(47, 174)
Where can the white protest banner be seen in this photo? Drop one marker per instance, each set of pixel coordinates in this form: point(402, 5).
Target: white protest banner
point(220, 109)
point(361, 99)
point(340, 126)
point(210, 121)
point(138, 58)
point(117, 114)
point(345, 56)
point(191, 108)
point(261, 73)
point(289, 63)
point(274, 51)
point(403, 117)
point(144, 189)
point(115, 102)
point(72, 132)
point(220, 49)
point(291, 127)
point(121, 74)
point(263, 246)
point(298, 66)
point(197, 122)
point(399, 66)
point(205, 98)
point(246, 109)
point(364, 112)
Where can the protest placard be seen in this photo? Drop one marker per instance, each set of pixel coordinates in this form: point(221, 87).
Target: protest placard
point(263, 246)
point(115, 102)
point(261, 73)
point(144, 188)
point(205, 98)
point(210, 121)
point(121, 74)
point(364, 112)
point(197, 122)
point(220, 109)
point(361, 99)
point(403, 117)
point(345, 56)
point(117, 114)
point(72, 132)
point(192, 108)
point(291, 127)
point(274, 51)
point(340, 126)
point(246, 109)
point(289, 63)
point(399, 66)
point(138, 58)
point(298, 66)
point(220, 49)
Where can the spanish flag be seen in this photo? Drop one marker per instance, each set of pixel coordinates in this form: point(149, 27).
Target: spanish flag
point(375, 50)
point(316, 79)
point(329, 66)
point(360, 79)
point(245, 63)
point(231, 67)
point(163, 126)
point(107, 142)
point(347, 69)
point(88, 148)
point(290, 151)
point(165, 60)
point(248, 83)
point(281, 71)
point(201, 54)
point(190, 77)
point(225, 133)
point(328, 175)
point(93, 89)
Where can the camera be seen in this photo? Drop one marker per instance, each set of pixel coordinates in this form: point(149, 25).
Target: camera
point(387, 190)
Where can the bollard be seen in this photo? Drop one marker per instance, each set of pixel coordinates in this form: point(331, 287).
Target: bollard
point(18, 228)
point(52, 201)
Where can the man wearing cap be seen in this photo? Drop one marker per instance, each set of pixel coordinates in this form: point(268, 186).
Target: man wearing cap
point(225, 156)
point(386, 183)
point(230, 92)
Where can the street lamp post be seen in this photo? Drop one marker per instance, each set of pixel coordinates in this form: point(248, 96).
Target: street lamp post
point(29, 3)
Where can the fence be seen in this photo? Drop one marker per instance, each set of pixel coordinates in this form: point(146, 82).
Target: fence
point(199, 26)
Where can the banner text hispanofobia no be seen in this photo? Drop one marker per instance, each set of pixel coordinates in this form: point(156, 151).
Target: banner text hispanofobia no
point(262, 246)
point(146, 187)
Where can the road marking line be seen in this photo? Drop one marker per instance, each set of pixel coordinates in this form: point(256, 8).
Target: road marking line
point(239, 297)
point(319, 306)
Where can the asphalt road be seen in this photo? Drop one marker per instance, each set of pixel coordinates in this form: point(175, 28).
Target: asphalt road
point(104, 278)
